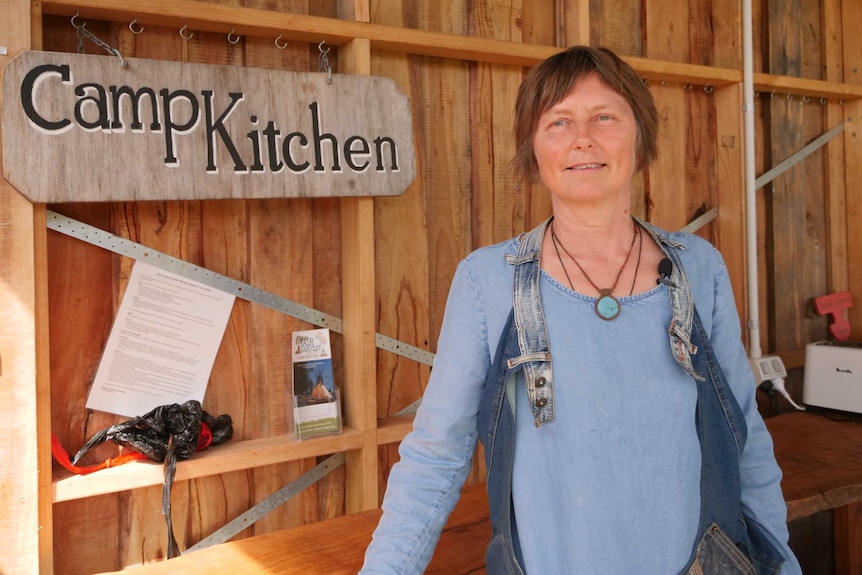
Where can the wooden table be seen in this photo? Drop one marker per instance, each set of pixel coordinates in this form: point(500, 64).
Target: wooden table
point(821, 460)
point(336, 547)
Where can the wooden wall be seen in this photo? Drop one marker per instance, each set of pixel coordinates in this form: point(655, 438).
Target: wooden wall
point(463, 197)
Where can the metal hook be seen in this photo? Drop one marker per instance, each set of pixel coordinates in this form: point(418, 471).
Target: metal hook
point(132, 27)
point(788, 96)
point(822, 101)
point(323, 62)
point(772, 96)
point(182, 30)
point(76, 26)
point(805, 99)
point(280, 46)
point(687, 86)
point(708, 89)
point(229, 34)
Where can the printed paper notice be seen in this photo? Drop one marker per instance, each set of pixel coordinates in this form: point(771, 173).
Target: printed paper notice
point(162, 345)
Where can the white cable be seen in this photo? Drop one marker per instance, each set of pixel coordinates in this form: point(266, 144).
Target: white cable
point(778, 383)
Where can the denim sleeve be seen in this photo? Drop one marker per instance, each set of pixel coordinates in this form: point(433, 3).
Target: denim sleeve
point(761, 477)
point(425, 484)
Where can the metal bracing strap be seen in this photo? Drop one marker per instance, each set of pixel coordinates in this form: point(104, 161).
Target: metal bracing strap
point(796, 157)
point(247, 519)
point(128, 248)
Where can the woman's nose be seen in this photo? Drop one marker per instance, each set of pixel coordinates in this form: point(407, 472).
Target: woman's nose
point(582, 137)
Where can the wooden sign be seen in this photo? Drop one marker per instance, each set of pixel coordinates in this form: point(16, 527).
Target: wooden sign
point(83, 128)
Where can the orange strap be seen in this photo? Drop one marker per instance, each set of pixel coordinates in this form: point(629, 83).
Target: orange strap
point(204, 440)
point(62, 457)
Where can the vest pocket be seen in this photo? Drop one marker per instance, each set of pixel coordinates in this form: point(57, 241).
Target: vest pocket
point(498, 559)
point(718, 555)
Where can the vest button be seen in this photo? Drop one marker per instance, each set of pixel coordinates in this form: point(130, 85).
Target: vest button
point(542, 402)
point(540, 382)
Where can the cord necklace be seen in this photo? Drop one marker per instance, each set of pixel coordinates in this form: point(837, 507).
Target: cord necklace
point(607, 306)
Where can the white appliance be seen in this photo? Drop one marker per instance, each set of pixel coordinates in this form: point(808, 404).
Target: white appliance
point(833, 375)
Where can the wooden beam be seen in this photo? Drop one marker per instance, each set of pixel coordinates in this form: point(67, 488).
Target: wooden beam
point(359, 297)
point(223, 18)
point(25, 519)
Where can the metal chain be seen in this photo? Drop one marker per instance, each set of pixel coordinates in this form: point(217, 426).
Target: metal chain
point(82, 33)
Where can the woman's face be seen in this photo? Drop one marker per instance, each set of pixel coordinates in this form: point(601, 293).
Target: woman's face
point(585, 144)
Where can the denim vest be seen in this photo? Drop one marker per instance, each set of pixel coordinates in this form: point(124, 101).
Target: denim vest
point(727, 542)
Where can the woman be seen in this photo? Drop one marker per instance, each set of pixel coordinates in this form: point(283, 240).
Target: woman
point(599, 360)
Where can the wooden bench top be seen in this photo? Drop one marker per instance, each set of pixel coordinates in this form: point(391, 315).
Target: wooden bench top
point(821, 460)
point(336, 547)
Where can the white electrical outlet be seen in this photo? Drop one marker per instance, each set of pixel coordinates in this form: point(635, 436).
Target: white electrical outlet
point(767, 368)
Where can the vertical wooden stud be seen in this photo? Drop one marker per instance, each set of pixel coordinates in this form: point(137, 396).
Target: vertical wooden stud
point(25, 519)
point(360, 314)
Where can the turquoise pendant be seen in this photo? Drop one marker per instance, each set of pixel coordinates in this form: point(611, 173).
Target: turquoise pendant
point(607, 306)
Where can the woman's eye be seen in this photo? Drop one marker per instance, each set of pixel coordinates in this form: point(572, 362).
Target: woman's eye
point(604, 117)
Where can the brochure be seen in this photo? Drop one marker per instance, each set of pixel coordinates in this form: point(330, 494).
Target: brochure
point(316, 405)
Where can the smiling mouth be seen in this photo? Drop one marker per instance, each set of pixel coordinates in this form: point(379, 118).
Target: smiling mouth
point(586, 167)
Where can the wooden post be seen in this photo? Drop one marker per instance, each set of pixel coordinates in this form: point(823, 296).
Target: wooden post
point(360, 312)
point(25, 519)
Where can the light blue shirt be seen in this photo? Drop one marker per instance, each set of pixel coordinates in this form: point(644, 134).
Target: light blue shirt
point(612, 484)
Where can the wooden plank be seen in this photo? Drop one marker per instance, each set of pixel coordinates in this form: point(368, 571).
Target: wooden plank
point(81, 300)
point(786, 195)
point(836, 200)
point(498, 211)
point(360, 317)
point(221, 18)
point(571, 26)
point(667, 39)
point(815, 258)
point(216, 132)
point(617, 25)
point(730, 232)
point(729, 143)
point(853, 170)
point(281, 262)
point(848, 534)
point(18, 372)
point(819, 458)
point(339, 546)
point(216, 499)
point(232, 456)
point(401, 249)
point(26, 526)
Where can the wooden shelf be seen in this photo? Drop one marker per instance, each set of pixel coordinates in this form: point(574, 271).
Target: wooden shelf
point(221, 459)
point(393, 429)
point(785, 85)
point(243, 21)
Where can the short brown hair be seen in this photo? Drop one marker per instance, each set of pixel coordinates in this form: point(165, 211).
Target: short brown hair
point(549, 82)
